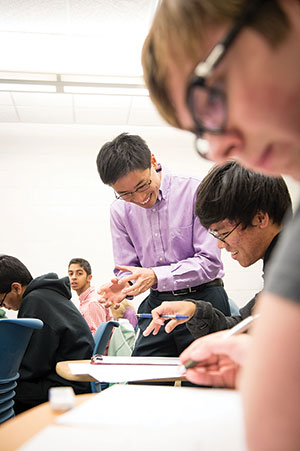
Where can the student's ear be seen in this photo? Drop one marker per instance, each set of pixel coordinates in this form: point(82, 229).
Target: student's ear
point(261, 219)
point(89, 278)
point(16, 288)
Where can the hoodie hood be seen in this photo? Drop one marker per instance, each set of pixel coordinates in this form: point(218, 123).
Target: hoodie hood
point(52, 282)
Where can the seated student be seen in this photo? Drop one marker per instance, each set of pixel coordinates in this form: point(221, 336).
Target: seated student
point(127, 311)
point(80, 275)
point(64, 336)
point(244, 210)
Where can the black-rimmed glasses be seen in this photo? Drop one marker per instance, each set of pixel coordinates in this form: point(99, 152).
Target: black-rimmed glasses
point(130, 194)
point(3, 299)
point(223, 236)
point(207, 104)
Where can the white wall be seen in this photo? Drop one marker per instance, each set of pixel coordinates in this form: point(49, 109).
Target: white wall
point(54, 206)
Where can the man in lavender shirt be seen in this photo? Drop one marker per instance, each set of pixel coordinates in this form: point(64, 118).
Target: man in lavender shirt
point(158, 242)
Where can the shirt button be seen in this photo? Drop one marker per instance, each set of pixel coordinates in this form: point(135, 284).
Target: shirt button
point(156, 234)
point(164, 287)
point(154, 210)
point(160, 258)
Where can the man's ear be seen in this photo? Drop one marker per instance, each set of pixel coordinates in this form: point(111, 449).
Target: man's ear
point(153, 161)
point(261, 219)
point(17, 288)
point(89, 277)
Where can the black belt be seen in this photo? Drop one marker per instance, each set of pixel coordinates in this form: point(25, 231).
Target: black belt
point(186, 291)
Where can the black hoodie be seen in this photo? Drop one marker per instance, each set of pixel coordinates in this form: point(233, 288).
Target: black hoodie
point(64, 336)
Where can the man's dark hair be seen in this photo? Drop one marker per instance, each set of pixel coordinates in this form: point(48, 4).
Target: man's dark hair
point(84, 264)
point(126, 153)
point(12, 270)
point(232, 192)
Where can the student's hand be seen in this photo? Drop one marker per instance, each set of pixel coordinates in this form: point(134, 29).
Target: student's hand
point(169, 308)
point(112, 292)
point(143, 279)
point(219, 359)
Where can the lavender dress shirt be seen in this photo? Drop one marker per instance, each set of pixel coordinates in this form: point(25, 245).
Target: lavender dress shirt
point(167, 237)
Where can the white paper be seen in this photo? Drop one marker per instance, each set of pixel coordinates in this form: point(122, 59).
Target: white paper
point(128, 369)
point(149, 418)
point(154, 405)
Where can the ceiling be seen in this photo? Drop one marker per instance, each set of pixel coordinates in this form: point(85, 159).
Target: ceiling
point(75, 62)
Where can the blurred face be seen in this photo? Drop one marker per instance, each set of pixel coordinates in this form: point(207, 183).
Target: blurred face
point(130, 184)
point(246, 246)
point(79, 280)
point(262, 91)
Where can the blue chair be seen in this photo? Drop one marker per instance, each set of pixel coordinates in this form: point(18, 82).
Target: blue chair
point(14, 338)
point(101, 337)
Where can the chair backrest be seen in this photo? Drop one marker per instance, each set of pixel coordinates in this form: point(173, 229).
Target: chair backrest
point(101, 338)
point(14, 338)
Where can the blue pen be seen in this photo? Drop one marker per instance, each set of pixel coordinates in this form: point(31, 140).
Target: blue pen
point(149, 315)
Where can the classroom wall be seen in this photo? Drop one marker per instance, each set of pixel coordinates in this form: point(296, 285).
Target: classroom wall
point(54, 206)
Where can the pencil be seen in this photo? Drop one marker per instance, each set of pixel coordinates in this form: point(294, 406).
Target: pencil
point(149, 315)
point(237, 329)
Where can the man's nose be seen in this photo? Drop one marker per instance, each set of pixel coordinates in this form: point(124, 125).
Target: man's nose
point(221, 245)
point(141, 197)
point(224, 146)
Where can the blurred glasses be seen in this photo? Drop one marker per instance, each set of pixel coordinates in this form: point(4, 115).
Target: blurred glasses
point(207, 104)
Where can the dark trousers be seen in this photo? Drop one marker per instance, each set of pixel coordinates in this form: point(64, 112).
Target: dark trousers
point(172, 344)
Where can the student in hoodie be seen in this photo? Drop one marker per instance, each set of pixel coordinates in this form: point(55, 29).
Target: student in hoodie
point(64, 336)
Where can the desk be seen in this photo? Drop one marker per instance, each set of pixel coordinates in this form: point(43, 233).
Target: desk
point(17, 430)
point(116, 419)
point(63, 370)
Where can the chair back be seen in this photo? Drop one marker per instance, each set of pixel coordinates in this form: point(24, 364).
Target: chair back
point(14, 338)
point(101, 338)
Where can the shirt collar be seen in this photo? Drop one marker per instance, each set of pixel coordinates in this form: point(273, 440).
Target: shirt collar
point(165, 183)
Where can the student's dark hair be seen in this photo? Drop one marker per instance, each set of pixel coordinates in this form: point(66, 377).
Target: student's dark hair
point(84, 264)
point(232, 192)
point(12, 270)
point(124, 154)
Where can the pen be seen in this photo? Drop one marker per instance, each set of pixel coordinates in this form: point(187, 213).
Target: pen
point(149, 315)
point(237, 329)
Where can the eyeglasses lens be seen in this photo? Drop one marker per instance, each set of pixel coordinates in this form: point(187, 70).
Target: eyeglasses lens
point(208, 108)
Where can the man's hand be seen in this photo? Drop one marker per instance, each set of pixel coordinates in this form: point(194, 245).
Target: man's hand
point(170, 308)
point(112, 292)
point(220, 359)
point(143, 279)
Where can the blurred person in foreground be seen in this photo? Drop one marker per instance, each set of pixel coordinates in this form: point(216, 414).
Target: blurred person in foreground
point(229, 72)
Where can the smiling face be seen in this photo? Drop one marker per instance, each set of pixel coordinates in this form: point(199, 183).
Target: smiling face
point(79, 280)
point(261, 85)
point(136, 179)
point(248, 245)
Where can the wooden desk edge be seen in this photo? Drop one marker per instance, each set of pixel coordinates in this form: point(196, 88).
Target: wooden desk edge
point(18, 430)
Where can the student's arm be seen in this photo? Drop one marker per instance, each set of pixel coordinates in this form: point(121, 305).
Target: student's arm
point(270, 381)
point(202, 319)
